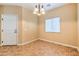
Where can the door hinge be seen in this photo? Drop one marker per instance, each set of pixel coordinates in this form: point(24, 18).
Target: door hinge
point(2, 41)
point(2, 19)
point(2, 30)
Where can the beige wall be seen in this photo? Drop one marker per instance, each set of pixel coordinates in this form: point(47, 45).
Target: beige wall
point(68, 34)
point(78, 24)
point(30, 30)
point(29, 25)
point(0, 24)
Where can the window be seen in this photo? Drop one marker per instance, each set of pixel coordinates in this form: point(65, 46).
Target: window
point(52, 25)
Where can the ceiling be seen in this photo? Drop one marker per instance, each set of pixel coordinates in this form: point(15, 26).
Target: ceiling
point(30, 6)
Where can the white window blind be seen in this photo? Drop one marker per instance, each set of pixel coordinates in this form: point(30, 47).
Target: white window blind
point(52, 25)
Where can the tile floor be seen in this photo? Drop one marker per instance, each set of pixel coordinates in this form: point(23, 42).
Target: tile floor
point(38, 48)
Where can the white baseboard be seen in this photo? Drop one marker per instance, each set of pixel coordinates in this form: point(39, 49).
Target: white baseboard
point(61, 44)
point(28, 42)
point(67, 45)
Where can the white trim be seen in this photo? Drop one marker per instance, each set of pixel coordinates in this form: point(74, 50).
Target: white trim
point(28, 42)
point(67, 45)
point(1, 30)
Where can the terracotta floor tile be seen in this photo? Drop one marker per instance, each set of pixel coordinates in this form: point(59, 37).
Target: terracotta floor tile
point(38, 48)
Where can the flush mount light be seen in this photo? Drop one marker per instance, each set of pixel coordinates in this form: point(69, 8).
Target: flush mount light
point(39, 9)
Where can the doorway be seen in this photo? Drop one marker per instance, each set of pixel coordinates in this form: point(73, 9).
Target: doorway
point(9, 29)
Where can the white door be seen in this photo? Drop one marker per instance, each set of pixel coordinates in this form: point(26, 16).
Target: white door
point(9, 29)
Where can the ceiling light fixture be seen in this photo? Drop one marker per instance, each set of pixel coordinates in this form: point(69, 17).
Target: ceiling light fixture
point(39, 9)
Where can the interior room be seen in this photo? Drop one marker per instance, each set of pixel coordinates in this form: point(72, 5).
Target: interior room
point(39, 29)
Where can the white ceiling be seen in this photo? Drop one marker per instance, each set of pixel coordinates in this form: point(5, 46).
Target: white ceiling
point(30, 6)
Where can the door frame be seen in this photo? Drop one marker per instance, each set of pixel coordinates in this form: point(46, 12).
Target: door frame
point(17, 25)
